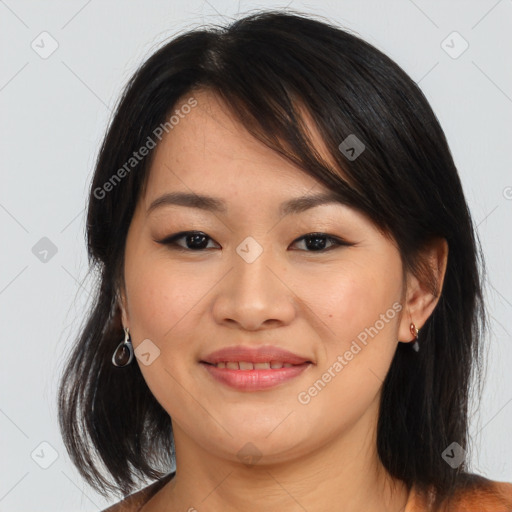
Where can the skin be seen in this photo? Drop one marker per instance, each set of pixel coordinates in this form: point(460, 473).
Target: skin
point(319, 456)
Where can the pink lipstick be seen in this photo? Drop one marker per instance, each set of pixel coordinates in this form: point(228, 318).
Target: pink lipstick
point(254, 369)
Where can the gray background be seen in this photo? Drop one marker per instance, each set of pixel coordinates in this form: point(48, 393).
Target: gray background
point(54, 111)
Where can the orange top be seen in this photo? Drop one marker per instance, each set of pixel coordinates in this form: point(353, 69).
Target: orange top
point(474, 494)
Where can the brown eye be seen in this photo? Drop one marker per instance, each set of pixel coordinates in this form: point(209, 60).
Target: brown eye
point(320, 242)
point(189, 240)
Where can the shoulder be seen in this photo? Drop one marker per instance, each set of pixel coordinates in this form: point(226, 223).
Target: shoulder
point(135, 501)
point(474, 492)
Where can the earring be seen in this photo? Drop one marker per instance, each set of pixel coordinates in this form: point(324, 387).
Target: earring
point(123, 355)
point(415, 332)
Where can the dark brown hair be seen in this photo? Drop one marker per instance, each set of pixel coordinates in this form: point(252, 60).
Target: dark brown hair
point(266, 67)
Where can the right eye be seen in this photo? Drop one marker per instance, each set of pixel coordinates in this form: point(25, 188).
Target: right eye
point(188, 241)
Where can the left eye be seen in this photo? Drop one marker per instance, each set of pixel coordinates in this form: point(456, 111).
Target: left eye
point(199, 241)
point(317, 242)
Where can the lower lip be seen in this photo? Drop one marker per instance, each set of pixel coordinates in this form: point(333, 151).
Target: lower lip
point(255, 380)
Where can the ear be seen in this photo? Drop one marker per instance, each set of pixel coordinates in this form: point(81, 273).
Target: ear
point(423, 291)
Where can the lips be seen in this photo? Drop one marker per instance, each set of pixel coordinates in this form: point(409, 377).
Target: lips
point(254, 369)
point(254, 355)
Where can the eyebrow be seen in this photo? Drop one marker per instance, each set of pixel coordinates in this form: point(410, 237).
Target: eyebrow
point(213, 204)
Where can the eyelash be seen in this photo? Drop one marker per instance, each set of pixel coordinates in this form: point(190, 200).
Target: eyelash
point(171, 241)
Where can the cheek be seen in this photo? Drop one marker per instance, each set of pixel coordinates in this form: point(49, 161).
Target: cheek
point(162, 295)
point(359, 308)
point(167, 303)
point(352, 298)
point(163, 303)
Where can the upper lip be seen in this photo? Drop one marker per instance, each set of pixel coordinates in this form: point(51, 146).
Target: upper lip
point(254, 355)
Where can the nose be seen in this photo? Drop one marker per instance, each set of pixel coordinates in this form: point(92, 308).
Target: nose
point(254, 296)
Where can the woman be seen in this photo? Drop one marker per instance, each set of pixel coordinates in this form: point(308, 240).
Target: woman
point(289, 310)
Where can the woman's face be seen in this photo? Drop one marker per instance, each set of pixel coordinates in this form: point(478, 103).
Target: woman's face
point(313, 322)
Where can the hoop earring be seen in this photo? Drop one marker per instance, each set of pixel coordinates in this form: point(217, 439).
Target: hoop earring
point(123, 355)
point(415, 332)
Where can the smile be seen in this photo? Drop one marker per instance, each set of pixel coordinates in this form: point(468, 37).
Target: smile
point(247, 365)
point(250, 377)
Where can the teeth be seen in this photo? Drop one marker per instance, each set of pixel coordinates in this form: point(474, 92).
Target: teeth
point(245, 365)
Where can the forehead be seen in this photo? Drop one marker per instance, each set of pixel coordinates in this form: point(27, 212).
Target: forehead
point(209, 149)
